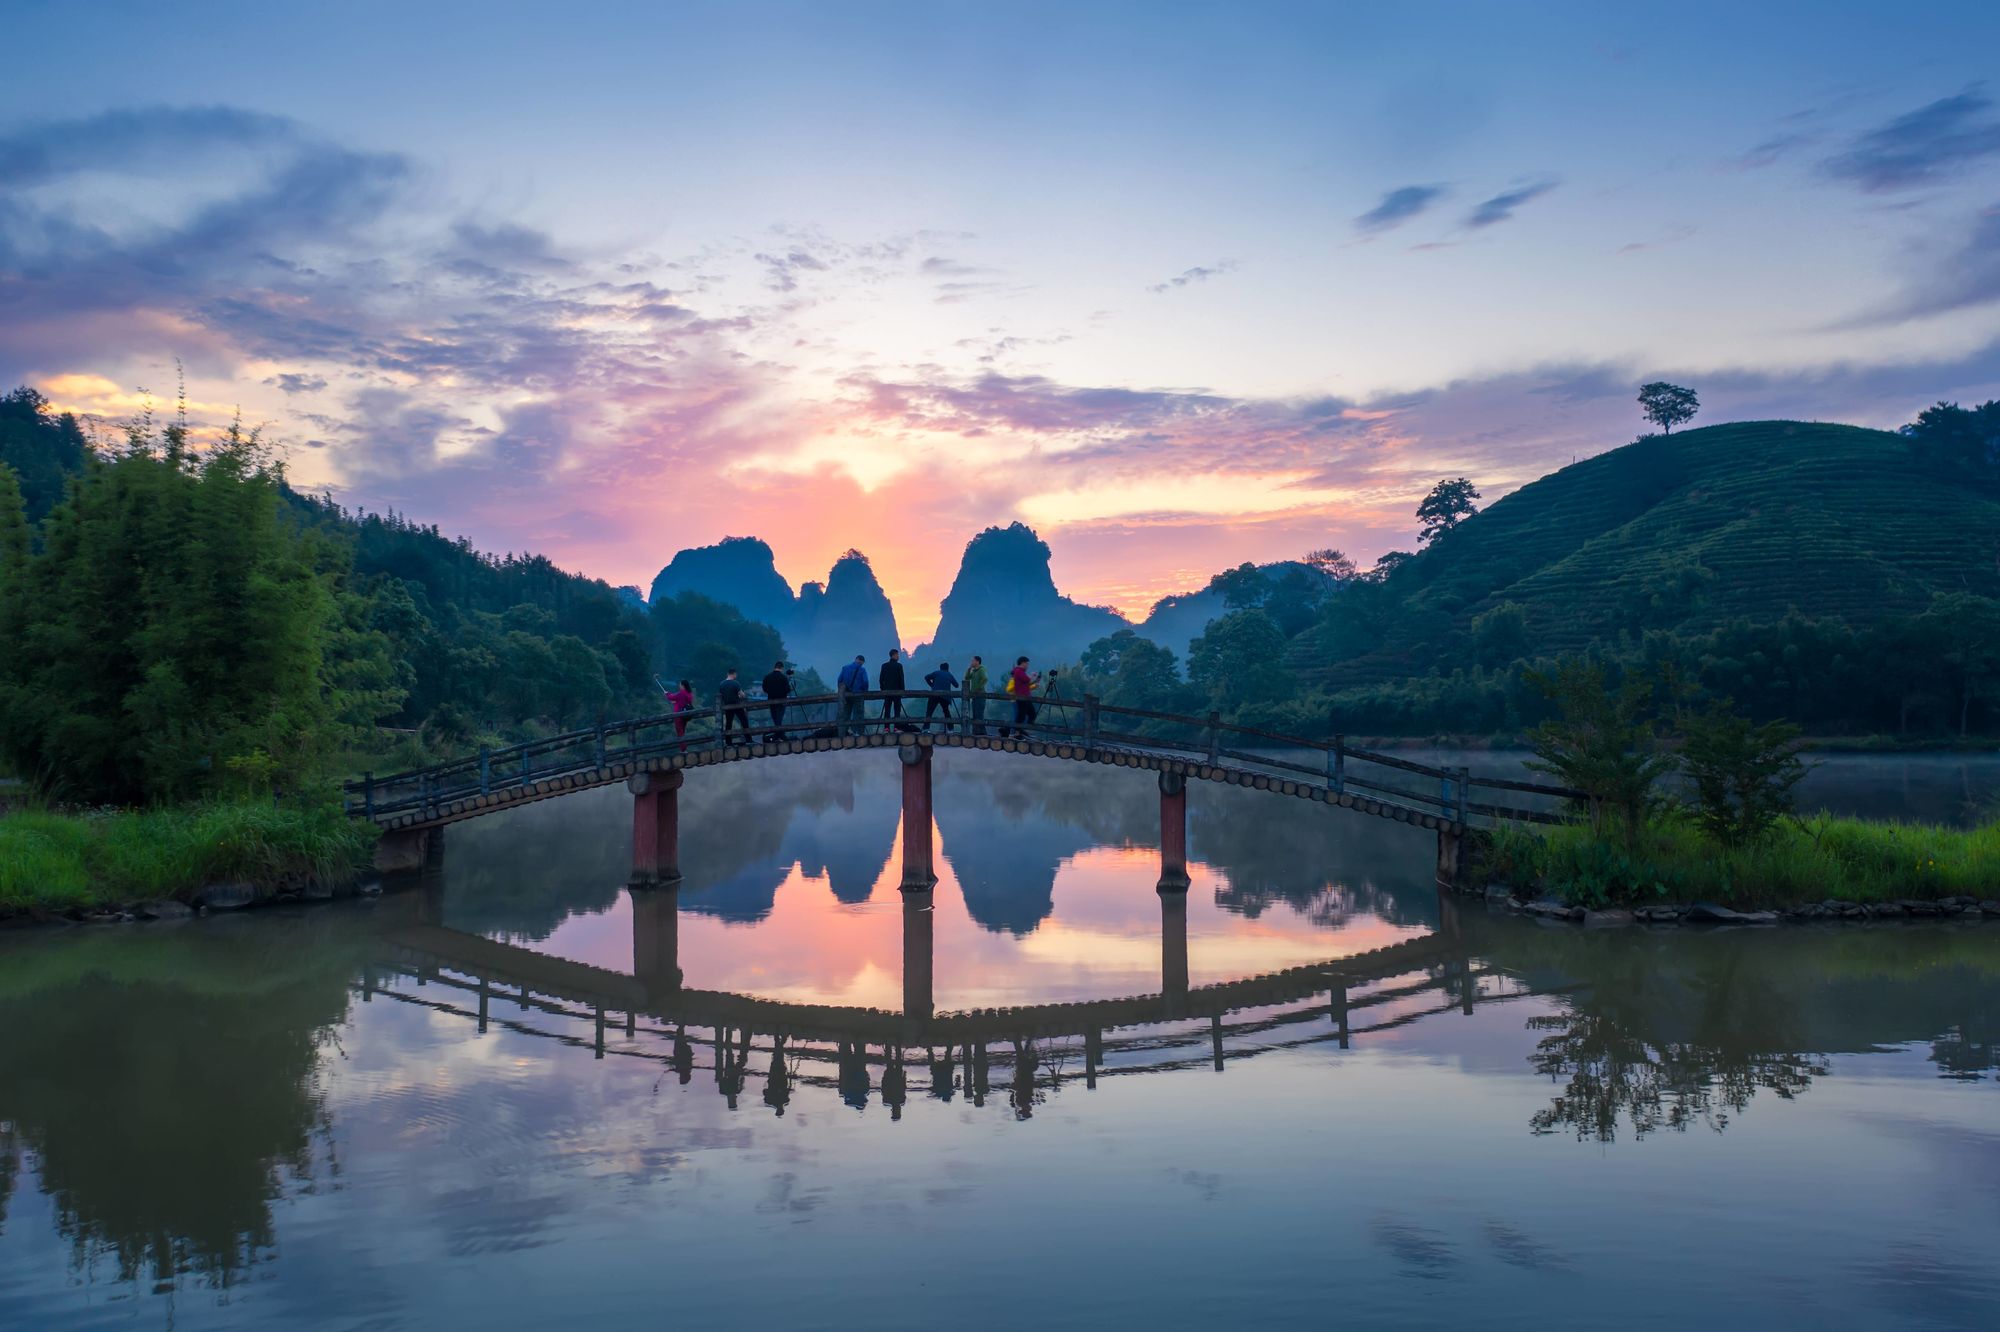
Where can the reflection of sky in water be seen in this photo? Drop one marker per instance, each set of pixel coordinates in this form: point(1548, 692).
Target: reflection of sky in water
point(1046, 887)
point(157, 1084)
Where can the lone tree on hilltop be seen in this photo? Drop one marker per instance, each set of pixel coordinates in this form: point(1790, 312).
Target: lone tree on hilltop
point(1448, 505)
point(1668, 405)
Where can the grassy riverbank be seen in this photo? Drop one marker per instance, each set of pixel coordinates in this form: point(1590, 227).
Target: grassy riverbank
point(1797, 861)
point(55, 863)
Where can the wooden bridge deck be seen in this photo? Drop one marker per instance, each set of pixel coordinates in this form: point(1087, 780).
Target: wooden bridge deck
point(1368, 783)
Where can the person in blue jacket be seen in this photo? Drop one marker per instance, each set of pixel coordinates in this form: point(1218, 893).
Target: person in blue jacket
point(942, 684)
point(852, 681)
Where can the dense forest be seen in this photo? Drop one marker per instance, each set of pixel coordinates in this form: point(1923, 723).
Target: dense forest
point(180, 622)
point(1845, 579)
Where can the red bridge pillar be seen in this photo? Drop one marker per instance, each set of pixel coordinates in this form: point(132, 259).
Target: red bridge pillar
point(917, 953)
point(1173, 833)
point(656, 937)
point(917, 873)
point(656, 826)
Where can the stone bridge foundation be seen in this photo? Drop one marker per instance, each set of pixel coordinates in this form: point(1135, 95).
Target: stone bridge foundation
point(405, 849)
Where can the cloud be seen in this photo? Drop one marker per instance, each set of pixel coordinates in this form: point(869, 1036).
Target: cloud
point(1672, 236)
point(1772, 150)
point(941, 267)
point(1193, 275)
point(1927, 146)
point(782, 270)
point(1943, 275)
point(296, 383)
point(532, 396)
point(1397, 207)
point(1501, 207)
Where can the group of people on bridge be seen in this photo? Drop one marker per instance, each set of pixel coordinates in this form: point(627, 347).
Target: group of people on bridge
point(735, 700)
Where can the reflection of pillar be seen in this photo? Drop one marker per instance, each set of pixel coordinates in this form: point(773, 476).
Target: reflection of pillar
point(1173, 832)
point(1447, 909)
point(917, 927)
point(1093, 1055)
point(917, 875)
point(1215, 1039)
point(656, 938)
point(485, 1002)
point(1450, 842)
point(1173, 952)
point(1337, 997)
point(656, 826)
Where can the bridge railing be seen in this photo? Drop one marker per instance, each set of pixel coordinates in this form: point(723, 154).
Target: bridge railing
point(1084, 720)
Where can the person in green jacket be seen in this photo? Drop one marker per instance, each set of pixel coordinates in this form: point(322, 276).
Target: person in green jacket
point(975, 685)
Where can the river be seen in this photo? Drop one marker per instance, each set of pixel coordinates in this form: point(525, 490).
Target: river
point(344, 1116)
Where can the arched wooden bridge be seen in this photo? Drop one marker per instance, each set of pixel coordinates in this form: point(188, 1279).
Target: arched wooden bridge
point(652, 754)
point(862, 1050)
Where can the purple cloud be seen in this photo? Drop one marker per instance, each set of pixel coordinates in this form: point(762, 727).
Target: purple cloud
point(1501, 207)
point(1923, 147)
point(1397, 207)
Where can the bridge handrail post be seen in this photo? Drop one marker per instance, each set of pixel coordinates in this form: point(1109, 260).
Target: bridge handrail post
point(600, 743)
point(1336, 765)
point(1090, 723)
point(485, 771)
point(368, 794)
point(1464, 794)
point(1444, 793)
point(840, 710)
point(1214, 737)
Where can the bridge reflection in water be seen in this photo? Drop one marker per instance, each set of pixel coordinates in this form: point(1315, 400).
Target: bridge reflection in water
point(1023, 1050)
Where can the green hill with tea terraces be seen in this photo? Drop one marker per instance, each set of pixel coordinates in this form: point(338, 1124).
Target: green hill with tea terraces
point(1685, 533)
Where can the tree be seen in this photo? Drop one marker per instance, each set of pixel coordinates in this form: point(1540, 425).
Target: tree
point(1335, 564)
point(1386, 565)
point(45, 451)
point(1241, 588)
point(1962, 439)
point(1500, 635)
point(1448, 505)
point(1743, 775)
point(1965, 628)
point(1294, 599)
point(1133, 672)
point(1236, 660)
point(173, 629)
point(1668, 405)
point(1601, 743)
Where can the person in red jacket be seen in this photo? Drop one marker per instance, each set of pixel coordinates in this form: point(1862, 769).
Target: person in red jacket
point(1024, 695)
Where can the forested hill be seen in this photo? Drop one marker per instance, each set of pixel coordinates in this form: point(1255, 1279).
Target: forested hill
point(1680, 534)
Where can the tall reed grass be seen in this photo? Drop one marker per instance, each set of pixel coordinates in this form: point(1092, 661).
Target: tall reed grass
point(55, 861)
point(1799, 860)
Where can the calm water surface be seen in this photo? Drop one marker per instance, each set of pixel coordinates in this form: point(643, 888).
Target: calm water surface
point(345, 1117)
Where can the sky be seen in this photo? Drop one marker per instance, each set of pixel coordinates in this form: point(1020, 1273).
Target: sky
point(1180, 285)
